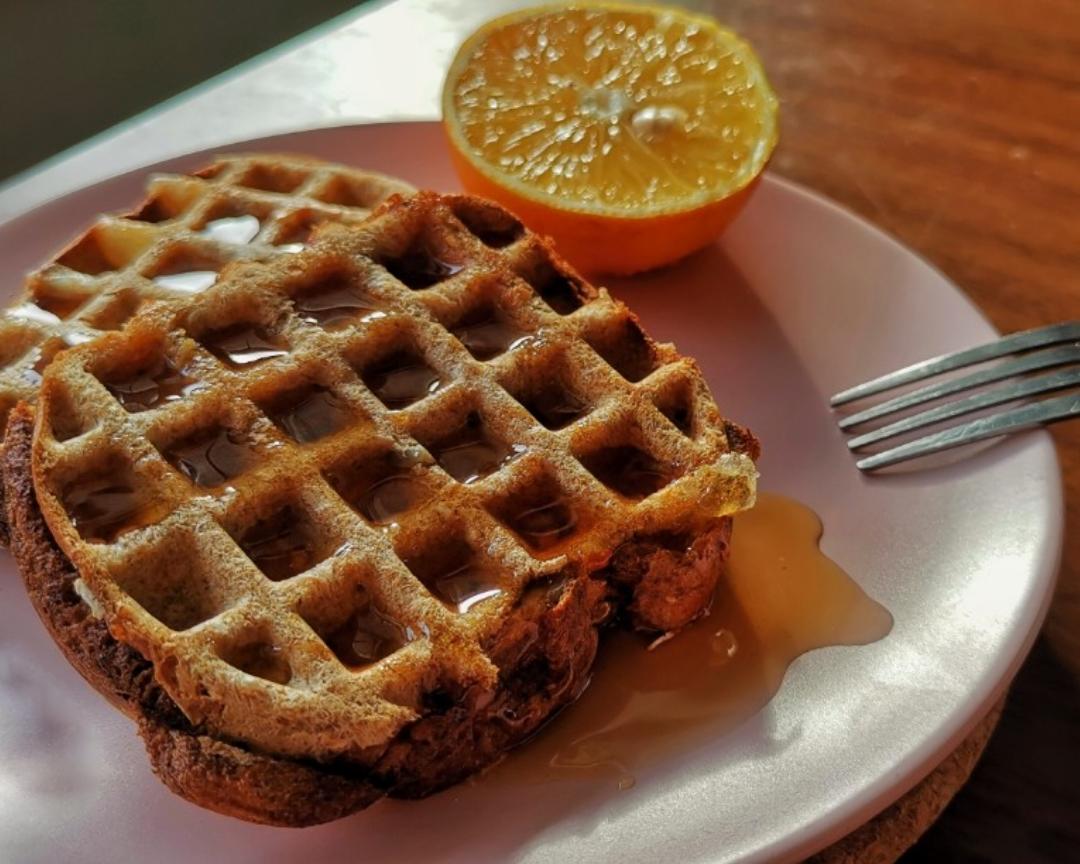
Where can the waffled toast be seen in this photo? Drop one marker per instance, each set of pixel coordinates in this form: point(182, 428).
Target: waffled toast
point(366, 507)
point(171, 245)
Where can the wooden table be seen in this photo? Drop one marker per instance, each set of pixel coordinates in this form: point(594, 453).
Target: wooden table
point(954, 125)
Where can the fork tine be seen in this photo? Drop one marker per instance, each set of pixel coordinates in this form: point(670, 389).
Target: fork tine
point(1068, 331)
point(1008, 369)
point(1035, 386)
point(1026, 417)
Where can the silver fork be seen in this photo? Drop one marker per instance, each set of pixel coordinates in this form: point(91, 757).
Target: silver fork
point(1036, 350)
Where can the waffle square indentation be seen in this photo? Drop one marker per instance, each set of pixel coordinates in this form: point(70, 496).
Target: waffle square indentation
point(152, 383)
point(421, 265)
point(470, 451)
point(273, 178)
point(355, 626)
point(629, 470)
point(539, 513)
point(335, 300)
point(308, 411)
point(109, 501)
point(243, 344)
point(401, 378)
point(211, 455)
point(284, 543)
point(381, 484)
point(487, 331)
point(187, 270)
point(625, 348)
point(492, 226)
point(455, 573)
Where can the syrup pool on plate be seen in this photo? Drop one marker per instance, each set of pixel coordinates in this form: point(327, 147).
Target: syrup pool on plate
point(780, 597)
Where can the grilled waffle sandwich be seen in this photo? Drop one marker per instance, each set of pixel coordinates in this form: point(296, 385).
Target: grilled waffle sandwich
point(170, 246)
point(347, 523)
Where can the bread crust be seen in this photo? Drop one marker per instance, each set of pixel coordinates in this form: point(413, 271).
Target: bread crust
point(544, 652)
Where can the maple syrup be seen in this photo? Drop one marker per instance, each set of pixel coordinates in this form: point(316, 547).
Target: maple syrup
point(188, 282)
point(334, 303)
point(154, 385)
point(628, 470)
point(211, 457)
point(419, 268)
point(454, 573)
point(378, 487)
point(465, 587)
point(780, 598)
point(43, 356)
point(389, 497)
point(401, 380)
point(60, 305)
point(544, 525)
point(309, 413)
point(32, 312)
point(367, 636)
point(469, 453)
point(556, 406)
point(262, 660)
point(242, 345)
point(279, 545)
point(235, 230)
point(488, 334)
point(103, 507)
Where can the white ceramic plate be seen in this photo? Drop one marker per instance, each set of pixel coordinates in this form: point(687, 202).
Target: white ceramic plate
point(799, 301)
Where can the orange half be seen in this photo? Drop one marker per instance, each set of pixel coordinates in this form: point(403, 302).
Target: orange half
point(631, 134)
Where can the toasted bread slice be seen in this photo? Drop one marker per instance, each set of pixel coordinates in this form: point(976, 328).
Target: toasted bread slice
point(188, 226)
point(546, 652)
point(363, 508)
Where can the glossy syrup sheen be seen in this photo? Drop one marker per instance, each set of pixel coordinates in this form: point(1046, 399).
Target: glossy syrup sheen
point(365, 637)
point(243, 345)
point(419, 268)
point(104, 507)
point(310, 413)
point(488, 335)
point(401, 380)
point(545, 524)
point(279, 545)
point(335, 303)
point(465, 586)
point(211, 457)
point(469, 453)
point(780, 598)
point(153, 386)
point(389, 496)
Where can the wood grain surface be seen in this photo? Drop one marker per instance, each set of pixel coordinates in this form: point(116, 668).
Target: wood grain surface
point(955, 126)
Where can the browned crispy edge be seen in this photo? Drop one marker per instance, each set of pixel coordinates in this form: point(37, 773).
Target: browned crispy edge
point(544, 651)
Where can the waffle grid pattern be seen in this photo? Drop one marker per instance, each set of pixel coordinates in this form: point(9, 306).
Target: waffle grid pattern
point(239, 207)
point(179, 585)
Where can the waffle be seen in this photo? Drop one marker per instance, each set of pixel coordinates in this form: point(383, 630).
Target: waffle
point(351, 497)
point(172, 245)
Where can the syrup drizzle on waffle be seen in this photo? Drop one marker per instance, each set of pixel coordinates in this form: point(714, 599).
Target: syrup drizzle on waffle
point(365, 543)
point(175, 244)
